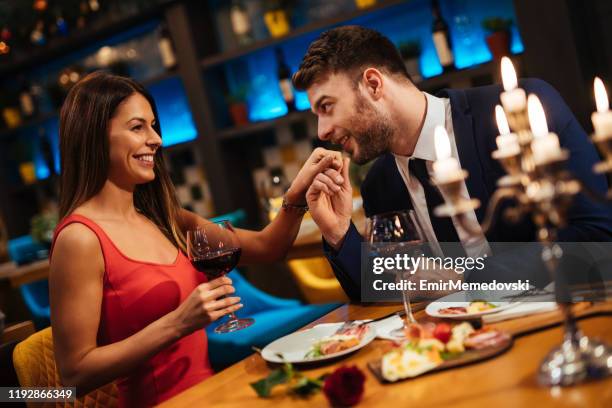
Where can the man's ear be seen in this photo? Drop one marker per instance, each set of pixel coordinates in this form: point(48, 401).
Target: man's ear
point(372, 80)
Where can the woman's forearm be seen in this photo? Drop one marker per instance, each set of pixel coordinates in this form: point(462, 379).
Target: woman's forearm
point(274, 241)
point(102, 365)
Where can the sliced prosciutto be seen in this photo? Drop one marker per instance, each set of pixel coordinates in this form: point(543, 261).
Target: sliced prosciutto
point(346, 337)
point(453, 310)
point(484, 338)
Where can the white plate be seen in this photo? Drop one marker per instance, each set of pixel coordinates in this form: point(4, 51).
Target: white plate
point(294, 346)
point(459, 299)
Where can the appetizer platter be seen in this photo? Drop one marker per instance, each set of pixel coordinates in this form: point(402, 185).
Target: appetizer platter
point(434, 346)
point(319, 343)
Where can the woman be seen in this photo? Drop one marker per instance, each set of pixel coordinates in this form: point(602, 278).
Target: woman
point(126, 304)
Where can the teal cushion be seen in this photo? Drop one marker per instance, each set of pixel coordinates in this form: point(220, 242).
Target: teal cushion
point(227, 348)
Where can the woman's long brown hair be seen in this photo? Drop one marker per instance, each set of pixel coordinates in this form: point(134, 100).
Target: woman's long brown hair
point(84, 152)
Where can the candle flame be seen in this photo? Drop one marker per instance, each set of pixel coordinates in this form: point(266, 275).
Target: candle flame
point(441, 143)
point(502, 122)
point(601, 96)
point(508, 74)
point(537, 118)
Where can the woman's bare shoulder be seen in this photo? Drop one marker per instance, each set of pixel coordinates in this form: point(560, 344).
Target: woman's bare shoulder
point(77, 243)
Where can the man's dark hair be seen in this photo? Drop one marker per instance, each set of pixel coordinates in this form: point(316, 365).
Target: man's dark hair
point(348, 49)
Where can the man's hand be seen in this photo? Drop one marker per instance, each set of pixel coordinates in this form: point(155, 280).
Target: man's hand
point(331, 208)
point(321, 161)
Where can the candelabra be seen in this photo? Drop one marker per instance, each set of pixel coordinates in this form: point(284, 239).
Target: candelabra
point(542, 188)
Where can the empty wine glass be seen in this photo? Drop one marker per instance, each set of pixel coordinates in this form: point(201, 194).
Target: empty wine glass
point(392, 233)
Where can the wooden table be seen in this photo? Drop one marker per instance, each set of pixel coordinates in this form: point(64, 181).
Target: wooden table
point(505, 381)
point(20, 275)
point(17, 332)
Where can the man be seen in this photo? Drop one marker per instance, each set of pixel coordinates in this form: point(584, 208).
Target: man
point(358, 87)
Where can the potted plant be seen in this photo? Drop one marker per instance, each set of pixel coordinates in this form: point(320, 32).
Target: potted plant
point(411, 53)
point(238, 106)
point(42, 226)
point(498, 39)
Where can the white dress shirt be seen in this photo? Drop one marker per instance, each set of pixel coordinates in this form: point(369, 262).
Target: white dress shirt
point(439, 114)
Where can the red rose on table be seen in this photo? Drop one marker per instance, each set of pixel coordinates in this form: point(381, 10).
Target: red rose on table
point(344, 387)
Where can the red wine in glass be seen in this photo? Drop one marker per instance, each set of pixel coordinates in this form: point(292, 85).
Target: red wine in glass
point(216, 264)
point(214, 250)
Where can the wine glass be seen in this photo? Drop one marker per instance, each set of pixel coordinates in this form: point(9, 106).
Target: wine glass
point(397, 232)
point(213, 248)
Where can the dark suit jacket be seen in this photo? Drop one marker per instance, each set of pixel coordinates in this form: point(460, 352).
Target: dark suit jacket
point(475, 130)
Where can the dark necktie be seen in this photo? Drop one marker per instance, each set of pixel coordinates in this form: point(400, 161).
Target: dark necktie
point(443, 226)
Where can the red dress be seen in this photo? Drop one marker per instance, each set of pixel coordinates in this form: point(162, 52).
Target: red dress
point(136, 294)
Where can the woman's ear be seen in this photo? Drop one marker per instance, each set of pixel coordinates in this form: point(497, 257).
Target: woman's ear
point(373, 82)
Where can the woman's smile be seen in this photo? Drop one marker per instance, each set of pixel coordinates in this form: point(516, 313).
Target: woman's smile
point(145, 159)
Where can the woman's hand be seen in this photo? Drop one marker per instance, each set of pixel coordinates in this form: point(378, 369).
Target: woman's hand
point(203, 305)
point(321, 161)
point(331, 209)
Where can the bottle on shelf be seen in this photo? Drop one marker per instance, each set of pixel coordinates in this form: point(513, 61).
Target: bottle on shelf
point(284, 79)
point(166, 50)
point(441, 38)
point(5, 41)
point(94, 6)
point(241, 25)
point(42, 100)
point(60, 26)
point(38, 35)
point(5, 49)
point(10, 112)
point(26, 101)
point(84, 11)
point(40, 5)
point(68, 77)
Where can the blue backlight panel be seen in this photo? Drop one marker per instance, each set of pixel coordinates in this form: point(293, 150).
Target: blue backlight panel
point(174, 114)
point(50, 130)
point(410, 21)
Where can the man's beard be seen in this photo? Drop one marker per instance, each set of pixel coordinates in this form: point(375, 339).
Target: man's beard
point(371, 131)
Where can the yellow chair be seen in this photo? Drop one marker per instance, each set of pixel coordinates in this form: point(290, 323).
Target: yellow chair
point(316, 280)
point(35, 366)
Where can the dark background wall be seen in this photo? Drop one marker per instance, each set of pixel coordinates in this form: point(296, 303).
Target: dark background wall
point(567, 43)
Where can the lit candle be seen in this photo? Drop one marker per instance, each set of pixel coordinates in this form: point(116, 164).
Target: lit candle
point(545, 145)
point(602, 118)
point(507, 143)
point(445, 168)
point(514, 98)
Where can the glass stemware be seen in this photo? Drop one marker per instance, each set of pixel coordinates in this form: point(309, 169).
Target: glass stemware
point(213, 249)
point(392, 233)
